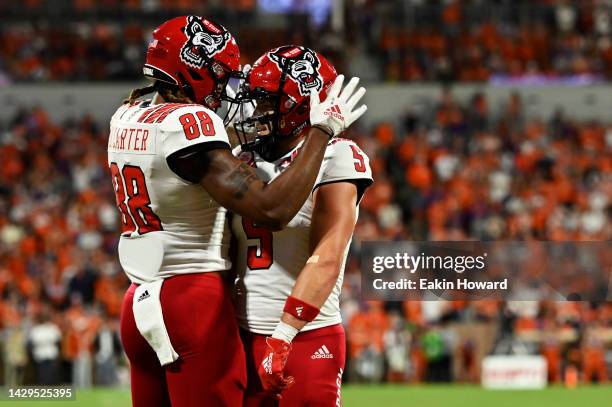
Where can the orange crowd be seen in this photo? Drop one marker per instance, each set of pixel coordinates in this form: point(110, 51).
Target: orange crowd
point(417, 41)
point(457, 172)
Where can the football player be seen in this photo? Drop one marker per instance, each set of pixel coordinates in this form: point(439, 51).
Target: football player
point(173, 173)
point(289, 281)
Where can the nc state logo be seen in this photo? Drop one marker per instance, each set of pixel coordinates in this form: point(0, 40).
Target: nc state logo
point(204, 40)
point(302, 65)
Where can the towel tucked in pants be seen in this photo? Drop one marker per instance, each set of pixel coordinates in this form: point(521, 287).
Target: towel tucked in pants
point(202, 327)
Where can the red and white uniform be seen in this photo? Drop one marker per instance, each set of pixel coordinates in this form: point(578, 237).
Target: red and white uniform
point(268, 264)
point(155, 203)
point(173, 230)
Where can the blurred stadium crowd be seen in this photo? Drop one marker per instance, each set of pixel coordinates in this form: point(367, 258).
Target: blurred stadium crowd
point(451, 171)
point(405, 40)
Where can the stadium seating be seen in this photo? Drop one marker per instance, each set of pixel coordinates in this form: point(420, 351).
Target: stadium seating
point(424, 41)
point(441, 176)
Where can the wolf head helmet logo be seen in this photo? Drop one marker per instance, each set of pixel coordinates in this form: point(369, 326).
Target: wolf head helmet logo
point(302, 66)
point(204, 40)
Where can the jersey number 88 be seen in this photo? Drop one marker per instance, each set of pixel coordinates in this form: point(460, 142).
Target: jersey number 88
point(135, 211)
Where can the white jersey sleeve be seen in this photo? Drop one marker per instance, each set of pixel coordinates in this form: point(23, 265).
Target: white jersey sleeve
point(345, 161)
point(195, 127)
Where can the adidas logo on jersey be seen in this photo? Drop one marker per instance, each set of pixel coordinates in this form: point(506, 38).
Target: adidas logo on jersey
point(143, 296)
point(322, 353)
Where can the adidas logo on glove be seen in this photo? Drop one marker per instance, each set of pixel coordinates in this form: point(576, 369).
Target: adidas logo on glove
point(267, 364)
point(334, 111)
point(322, 353)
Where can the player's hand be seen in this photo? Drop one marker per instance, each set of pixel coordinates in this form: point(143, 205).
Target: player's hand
point(271, 369)
point(337, 112)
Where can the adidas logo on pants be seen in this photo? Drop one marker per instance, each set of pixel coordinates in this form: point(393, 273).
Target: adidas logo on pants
point(322, 353)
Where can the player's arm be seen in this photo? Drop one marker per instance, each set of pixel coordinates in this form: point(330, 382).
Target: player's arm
point(333, 221)
point(236, 186)
point(232, 137)
point(346, 176)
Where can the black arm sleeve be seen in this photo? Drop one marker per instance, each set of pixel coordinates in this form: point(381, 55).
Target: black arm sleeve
point(190, 163)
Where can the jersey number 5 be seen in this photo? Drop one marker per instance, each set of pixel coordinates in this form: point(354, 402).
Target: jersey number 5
point(136, 211)
point(262, 260)
point(359, 160)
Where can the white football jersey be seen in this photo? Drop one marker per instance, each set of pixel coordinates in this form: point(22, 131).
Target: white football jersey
point(169, 225)
point(268, 263)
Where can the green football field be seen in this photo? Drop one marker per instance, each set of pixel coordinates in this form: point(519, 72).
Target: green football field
point(392, 396)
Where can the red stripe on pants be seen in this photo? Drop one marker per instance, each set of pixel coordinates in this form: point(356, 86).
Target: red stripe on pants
point(202, 327)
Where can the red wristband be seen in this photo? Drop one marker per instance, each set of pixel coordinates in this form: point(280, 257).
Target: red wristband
point(300, 309)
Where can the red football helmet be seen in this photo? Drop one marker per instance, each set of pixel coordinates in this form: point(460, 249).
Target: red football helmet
point(195, 54)
point(283, 79)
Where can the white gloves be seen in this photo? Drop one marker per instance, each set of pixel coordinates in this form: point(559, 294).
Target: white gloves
point(335, 114)
point(239, 111)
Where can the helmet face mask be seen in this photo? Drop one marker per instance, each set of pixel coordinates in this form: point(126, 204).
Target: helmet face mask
point(221, 76)
point(261, 127)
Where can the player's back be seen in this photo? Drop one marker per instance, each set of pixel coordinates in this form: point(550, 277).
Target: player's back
point(169, 225)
